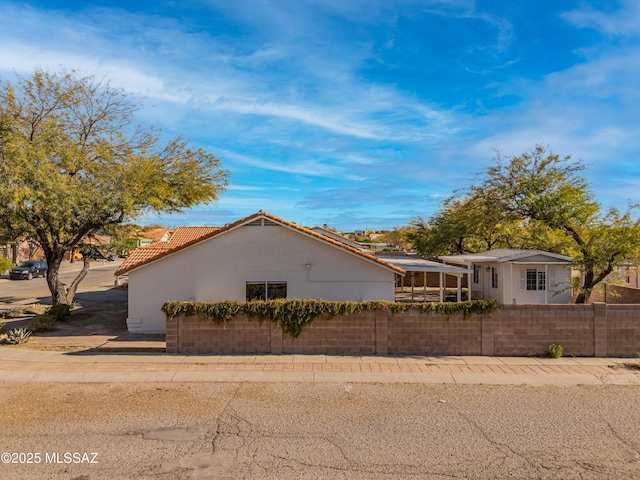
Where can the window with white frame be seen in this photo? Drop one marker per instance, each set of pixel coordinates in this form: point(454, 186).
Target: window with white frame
point(494, 277)
point(533, 279)
point(266, 290)
point(476, 274)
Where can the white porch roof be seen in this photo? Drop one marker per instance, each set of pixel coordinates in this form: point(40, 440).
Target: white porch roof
point(501, 255)
point(417, 264)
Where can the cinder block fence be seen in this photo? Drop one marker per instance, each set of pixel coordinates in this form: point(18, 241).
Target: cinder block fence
point(599, 330)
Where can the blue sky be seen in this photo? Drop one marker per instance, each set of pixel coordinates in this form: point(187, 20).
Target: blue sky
point(357, 113)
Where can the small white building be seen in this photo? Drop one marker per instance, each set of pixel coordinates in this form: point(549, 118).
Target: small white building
point(510, 276)
point(257, 257)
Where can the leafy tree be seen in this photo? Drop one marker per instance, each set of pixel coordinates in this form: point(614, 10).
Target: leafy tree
point(73, 162)
point(396, 238)
point(466, 224)
point(124, 237)
point(535, 200)
point(543, 187)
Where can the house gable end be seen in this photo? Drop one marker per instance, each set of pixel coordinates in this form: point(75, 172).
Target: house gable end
point(260, 219)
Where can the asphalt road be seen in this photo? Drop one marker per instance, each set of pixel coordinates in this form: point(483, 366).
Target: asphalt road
point(100, 274)
point(332, 431)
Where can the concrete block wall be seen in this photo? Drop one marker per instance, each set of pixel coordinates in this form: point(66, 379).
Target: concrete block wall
point(528, 329)
point(622, 331)
point(354, 334)
point(195, 335)
point(615, 294)
point(414, 334)
point(514, 330)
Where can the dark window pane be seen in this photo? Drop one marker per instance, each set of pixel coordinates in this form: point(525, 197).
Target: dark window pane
point(276, 290)
point(531, 279)
point(542, 281)
point(256, 291)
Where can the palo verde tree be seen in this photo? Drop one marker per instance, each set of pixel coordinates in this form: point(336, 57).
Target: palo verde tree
point(535, 200)
point(72, 162)
point(540, 186)
point(464, 224)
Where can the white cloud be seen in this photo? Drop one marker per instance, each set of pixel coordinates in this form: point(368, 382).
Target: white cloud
point(306, 167)
point(23, 59)
point(623, 22)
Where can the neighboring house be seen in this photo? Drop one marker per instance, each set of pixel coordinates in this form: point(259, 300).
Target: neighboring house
point(509, 276)
point(627, 273)
point(21, 251)
point(153, 235)
point(258, 257)
point(339, 238)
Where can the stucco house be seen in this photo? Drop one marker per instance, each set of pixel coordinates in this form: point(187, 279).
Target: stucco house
point(258, 257)
point(511, 276)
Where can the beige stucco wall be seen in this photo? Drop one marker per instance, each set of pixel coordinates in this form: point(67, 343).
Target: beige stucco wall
point(218, 269)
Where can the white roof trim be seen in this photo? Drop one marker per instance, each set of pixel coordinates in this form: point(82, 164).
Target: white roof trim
point(517, 255)
point(416, 264)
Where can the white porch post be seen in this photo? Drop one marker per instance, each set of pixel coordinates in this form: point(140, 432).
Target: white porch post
point(459, 279)
point(442, 279)
point(511, 294)
point(412, 284)
point(424, 284)
point(546, 283)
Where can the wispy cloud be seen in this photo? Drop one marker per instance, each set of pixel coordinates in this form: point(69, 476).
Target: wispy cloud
point(625, 21)
point(291, 166)
point(355, 110)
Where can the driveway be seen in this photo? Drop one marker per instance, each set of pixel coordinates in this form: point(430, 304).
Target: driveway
point(100, 322)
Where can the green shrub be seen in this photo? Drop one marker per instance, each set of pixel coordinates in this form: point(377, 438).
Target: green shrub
point(43, 323)
point(60, 311)
point(18, 335)
point(554, 350)
point(5, 264)
point(293, 314)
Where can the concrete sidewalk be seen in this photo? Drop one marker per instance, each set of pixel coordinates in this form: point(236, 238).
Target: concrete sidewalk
point(23, 365)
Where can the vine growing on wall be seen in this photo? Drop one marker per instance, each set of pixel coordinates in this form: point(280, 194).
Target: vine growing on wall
point(293, 315)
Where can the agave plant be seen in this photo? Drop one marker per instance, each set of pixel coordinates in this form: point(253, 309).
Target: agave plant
point(18, 335)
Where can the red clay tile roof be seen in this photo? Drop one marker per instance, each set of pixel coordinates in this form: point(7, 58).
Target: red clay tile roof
point(96, 239)
point(154, 234)
point(184, 235)
point(180, 238)
point(150, 253)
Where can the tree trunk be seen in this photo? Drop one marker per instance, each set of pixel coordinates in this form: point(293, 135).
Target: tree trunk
point(60, 292)
point(56, 287)
point(587, 286)
point(583, 296)
point(71, 291)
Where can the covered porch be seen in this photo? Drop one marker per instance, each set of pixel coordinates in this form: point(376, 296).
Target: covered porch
point(428, 281)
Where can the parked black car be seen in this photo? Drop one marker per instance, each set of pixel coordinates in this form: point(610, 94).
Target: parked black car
point(28, 270)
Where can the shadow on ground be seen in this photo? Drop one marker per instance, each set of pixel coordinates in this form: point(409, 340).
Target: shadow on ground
point(99, 325)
